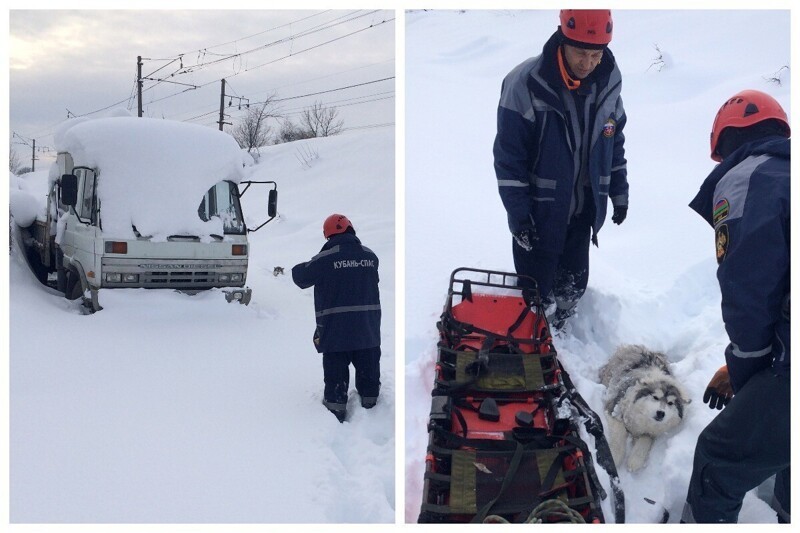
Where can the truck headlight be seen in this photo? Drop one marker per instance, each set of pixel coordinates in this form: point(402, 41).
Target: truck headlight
point(237, 277)
point(113, 277)
point(131, 278)
point(224, 277)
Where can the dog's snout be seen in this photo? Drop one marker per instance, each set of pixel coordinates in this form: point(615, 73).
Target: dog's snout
point(660, 415)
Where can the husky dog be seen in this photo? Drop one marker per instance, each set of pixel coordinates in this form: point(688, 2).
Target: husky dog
point(643, 399)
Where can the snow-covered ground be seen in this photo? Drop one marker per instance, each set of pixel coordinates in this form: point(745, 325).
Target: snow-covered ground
point(166, 408)
point(653, 278)
point(170, 408)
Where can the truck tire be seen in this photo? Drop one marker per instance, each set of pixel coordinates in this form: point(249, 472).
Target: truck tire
point(74, 289)
point(37, 267)
point(61, 272)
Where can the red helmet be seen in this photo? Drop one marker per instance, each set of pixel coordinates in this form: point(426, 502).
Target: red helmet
point(335, 224)
point(587, 28)
point(745, 109)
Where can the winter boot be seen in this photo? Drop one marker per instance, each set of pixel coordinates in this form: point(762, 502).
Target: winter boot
point(560, 318)
point(367, 402)
point(339, 414)
point(339, 410)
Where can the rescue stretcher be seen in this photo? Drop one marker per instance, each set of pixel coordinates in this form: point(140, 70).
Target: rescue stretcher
point(503, 436)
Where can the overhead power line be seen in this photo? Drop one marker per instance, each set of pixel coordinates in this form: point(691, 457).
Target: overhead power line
point(290, 38)
point(370, 126)
point(339, 103)
point(291, 54)
point(288, 24)
point(303, 95)
point(337, 106)
point(273, 89)
point(310, 48)
point(128, 99)
point(331, 90)
point(227, 57)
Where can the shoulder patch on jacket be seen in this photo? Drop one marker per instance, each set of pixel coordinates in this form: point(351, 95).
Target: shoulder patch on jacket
point(722, 239)
point(721, 210)
point(609, 128)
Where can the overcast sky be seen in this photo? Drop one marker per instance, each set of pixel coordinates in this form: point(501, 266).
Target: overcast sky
point(82, 61)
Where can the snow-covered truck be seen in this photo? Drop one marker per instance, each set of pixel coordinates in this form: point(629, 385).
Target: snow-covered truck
point(144, 203)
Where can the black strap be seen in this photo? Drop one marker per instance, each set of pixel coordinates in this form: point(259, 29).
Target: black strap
point(461, 420)
point(546, 488)
point(510, 473)
point(449, 326)
point(482, 367)
point(604, 458)
point(552, 472)
point(446, 443)
point(518, 322)
point(481, 362)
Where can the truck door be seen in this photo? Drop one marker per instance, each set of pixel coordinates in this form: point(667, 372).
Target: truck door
point(81, 231)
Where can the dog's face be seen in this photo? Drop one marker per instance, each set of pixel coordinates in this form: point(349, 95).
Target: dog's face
point(656, 408)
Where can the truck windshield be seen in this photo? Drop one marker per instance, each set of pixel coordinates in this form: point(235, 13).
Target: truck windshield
point(222, 200)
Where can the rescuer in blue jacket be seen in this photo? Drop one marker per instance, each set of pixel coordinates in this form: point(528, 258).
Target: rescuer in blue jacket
point(559, 155)
point(344, 275)
point(746, 200)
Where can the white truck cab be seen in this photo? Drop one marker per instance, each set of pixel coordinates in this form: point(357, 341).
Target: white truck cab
point(75, 240)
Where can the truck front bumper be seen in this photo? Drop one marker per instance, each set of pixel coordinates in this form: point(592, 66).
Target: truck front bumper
point(238, 295)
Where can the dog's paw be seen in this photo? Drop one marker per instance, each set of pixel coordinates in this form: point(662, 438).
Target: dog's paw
point(639, 453)
point(636, 463)
point(617, 438)
point(617, 452)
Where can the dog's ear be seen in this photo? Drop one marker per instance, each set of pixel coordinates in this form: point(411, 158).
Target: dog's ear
point(685, 397)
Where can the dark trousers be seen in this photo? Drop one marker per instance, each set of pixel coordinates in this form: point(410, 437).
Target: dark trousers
point(336, 367)
point(565, 273)
point(746, 444)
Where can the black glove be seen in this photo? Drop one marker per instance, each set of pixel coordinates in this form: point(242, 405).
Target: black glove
point(526, 237)
point(620, 212)
point(719, 391)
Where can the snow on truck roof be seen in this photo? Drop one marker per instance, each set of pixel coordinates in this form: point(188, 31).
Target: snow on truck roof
point(152, 173)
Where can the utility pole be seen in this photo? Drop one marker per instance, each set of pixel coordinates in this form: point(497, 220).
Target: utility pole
point(32, 144)
point(139, 81)
point(222, 96)
point(222, 106)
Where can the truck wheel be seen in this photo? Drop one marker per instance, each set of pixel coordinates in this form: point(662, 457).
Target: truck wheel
point(37, 267)
point(74, 288)
point(61, 272)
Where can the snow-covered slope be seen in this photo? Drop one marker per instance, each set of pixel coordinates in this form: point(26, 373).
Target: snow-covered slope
point(653, 278)
point(170, 408)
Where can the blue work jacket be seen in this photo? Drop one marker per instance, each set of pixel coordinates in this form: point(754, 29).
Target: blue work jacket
point(746, 200)
point(551, 147)
point(344, 275)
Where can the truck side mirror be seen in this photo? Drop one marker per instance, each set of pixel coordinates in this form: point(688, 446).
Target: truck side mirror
point(69, 189)
point(272, 203)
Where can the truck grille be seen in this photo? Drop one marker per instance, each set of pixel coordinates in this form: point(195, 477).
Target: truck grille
point(174, 275)
point(183, 278)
